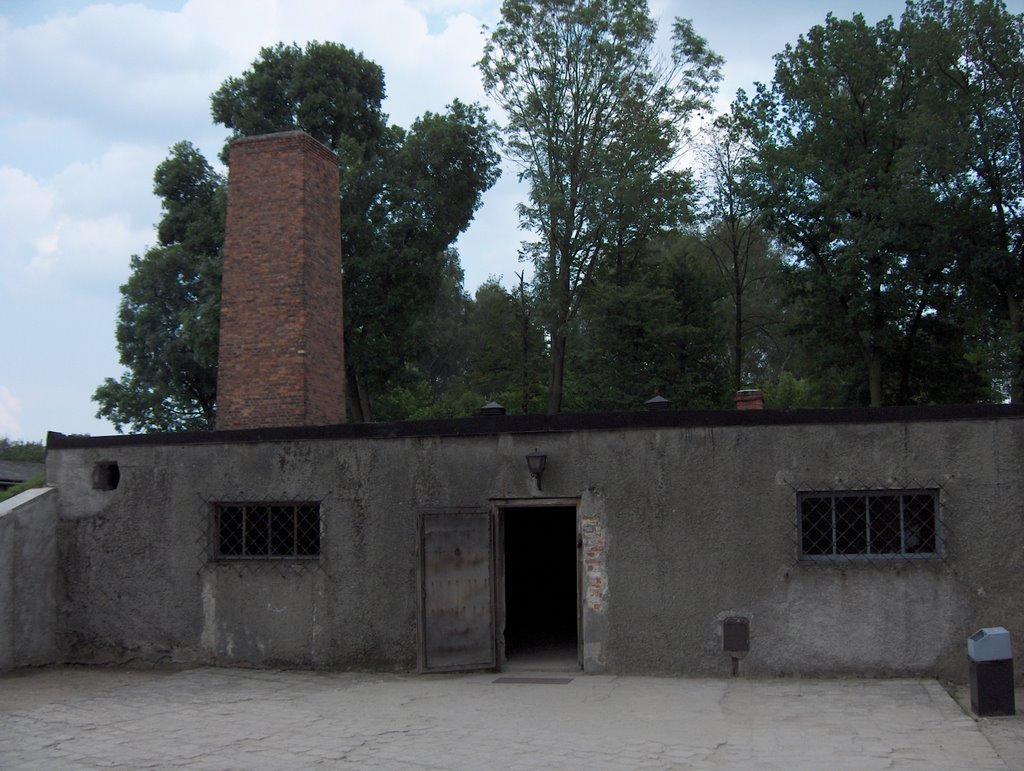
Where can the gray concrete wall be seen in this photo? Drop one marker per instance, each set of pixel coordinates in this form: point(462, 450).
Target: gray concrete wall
point(682, 527)
point(29, 579)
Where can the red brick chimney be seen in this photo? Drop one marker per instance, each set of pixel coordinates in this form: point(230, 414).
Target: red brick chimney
point(749, 399)
point(282, 360)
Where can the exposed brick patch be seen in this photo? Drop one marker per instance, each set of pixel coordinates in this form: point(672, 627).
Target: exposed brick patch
point(749, 399)
point(594, 551)
point(281, 335)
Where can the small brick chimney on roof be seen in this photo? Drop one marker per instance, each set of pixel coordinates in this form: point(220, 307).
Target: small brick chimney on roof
point(749, 399)
point(282, 360)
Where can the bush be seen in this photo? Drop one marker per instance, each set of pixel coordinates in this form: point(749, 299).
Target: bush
point(13, 449)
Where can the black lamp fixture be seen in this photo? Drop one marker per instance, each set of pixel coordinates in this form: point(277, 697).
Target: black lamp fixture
point(536, 461)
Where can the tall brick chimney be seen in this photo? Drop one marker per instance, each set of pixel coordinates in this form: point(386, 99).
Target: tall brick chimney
point(282, 360)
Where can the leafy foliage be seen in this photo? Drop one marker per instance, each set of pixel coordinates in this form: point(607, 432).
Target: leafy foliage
point(655, 332)
point(167, 326)
point(973, 54)
point(860, 239)
point(397, 255)
point(845, 177)
point(507, 353)
point(16, 450)
point(594, 125)
point(405, 196)
point(733, 239)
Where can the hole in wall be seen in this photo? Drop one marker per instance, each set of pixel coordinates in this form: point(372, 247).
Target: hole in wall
point(106, 475)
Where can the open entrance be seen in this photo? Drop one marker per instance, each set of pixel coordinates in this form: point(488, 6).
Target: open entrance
point(541, 580)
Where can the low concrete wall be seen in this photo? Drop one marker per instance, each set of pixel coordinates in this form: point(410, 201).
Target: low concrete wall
point(682, 526)
point(29, 579)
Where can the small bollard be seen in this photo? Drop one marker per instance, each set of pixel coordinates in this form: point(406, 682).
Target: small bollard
point(991, 672)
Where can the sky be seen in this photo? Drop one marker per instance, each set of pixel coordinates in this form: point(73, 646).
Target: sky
point(93, 95)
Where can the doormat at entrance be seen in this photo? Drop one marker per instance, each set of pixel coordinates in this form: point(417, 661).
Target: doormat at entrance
point(535, 680)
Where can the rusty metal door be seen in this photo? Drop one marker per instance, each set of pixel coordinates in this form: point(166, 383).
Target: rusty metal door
point(457, 591)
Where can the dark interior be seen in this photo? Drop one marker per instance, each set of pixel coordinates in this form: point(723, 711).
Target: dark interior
point(540, 579)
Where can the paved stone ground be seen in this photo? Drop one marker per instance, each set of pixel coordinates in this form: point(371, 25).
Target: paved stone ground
point(64, 718)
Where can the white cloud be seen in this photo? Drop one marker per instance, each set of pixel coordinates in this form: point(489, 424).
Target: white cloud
point(90, 102)
point(26, 213)
point(424, 68)
point(114, 181)
point(9, 408)
point(76, 230)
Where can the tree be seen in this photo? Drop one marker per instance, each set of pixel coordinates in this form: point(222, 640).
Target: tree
point(327, 90)
point(594, 126)
point(15, 450)
point(733, 239)
point(405, 196)
point(845, 176)
point(168, 321)
point(506, 357)
point(657, 332)
point(973, 52)
point(395, 257)
point(429, 386)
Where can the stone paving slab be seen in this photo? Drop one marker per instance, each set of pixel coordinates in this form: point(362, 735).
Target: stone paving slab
point(71, 718)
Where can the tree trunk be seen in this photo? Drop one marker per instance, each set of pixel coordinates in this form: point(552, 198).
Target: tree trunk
point(738, 342)
point(524, 330)
point(355, 412)
point(1017, 356)
point(356, 398)
point(875, 378)
point(557, 373)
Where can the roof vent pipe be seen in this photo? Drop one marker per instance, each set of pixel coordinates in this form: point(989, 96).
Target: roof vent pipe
point(657, 402)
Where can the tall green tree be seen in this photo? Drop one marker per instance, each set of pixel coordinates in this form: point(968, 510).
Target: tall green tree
point(843, 148)
point(327, 90)
point(168, 320)
point(405, 195)
point(594, 124)
point(507, 356)
point(733, 239)
point(429, 385)
point(973, 54)
point(656, 331)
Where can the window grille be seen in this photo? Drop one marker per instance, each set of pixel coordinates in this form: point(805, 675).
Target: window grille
point(869, 524)
point(267, 530)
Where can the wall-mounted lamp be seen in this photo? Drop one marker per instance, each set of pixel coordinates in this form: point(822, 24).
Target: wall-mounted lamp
point(536, 461)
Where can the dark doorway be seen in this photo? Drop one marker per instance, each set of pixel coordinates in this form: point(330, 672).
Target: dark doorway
point(541, 597)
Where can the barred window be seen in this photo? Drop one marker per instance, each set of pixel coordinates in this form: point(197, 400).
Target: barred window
point(267, 530)
point(883, 524)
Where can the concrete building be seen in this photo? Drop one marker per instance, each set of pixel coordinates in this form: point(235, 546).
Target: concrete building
point(758, 542)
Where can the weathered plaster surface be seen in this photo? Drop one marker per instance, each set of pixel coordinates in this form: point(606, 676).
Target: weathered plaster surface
point(680, 527)
point(29, 579)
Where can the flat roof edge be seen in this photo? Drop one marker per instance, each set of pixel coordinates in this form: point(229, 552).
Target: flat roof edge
point(564, 422)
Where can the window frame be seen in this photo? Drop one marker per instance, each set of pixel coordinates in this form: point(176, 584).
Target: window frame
point(266, 509)
point(866, 495)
